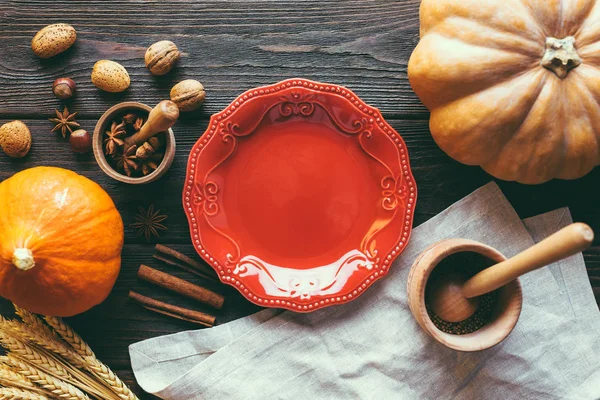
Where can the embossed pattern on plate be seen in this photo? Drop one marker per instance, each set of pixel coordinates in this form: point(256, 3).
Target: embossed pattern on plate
point(299, 195)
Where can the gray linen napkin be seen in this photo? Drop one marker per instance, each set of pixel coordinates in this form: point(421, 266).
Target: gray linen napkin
point(372, 348)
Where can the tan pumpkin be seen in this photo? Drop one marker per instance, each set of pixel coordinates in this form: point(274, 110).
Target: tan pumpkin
point(60, 241)
point(512, 85)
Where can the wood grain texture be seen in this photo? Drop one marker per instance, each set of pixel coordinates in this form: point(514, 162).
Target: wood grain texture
point(229, 46)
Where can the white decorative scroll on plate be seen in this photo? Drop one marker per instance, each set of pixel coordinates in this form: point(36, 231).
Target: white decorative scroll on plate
point(304, 284)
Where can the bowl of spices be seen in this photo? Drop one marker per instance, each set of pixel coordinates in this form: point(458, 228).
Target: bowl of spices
point(134, 143)
point(496, 313)
point(467, 295)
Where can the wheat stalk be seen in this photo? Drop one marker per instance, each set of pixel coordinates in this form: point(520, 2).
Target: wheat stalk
point(92, 385)
point(22, 386)
point(50, 343)
point(35, 322)
point(102, 371)
point(93, 365)
point(8, 374)
point(54, 367)
point(19, 394)
point(76, 378)
point(10, 378)
point(70, 336)
point(38, 332)
point(54, 350)
point(28, 353)
point(46, 381)
point(46, 363)
point(54, 344)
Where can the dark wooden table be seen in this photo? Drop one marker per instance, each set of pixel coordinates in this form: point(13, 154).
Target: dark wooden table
point(230, 47)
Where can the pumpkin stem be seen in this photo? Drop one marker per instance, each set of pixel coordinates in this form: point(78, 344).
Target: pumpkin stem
point(560, 56)
point(23, 259)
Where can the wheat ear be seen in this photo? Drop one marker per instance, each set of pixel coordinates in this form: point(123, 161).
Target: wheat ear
point(93, 365)
point(19, 394)
point(103, 372)
point(8, 374)
point(22, 386)
point(35, 322)
point(70, 336)
point(53, 366)
point(33, 356)
point(10, 378)
point(50, 343)
point(47, 382)
point(37, 331)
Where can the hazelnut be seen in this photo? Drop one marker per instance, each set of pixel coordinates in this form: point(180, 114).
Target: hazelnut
point(64, 88)
point(81, 141)
point(161, 57)
point(188, 95)
point(15, 139)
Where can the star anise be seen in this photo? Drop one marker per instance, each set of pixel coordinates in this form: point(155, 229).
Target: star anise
point(114, 139)
point(126, 161)
point(137, 125)
point(149, 222)
point(129, 118)
point(150, 163)
point(64, 121)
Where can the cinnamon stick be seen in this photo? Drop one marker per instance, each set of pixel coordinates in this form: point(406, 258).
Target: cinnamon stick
point(184, 314)
point(180, 286)
point(185, 262)
point(183, 266)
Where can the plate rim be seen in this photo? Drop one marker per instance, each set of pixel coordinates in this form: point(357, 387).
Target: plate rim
point(353, 101)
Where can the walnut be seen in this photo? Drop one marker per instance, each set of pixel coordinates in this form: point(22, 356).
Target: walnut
point(188, 95)
point(161, 57)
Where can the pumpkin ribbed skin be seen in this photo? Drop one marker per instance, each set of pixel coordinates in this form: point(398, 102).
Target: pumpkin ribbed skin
point(74, 232)
point(478, 69)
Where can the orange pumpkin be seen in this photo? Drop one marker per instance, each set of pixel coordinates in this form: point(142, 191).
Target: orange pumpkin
point(60, 241)
point(512, 85)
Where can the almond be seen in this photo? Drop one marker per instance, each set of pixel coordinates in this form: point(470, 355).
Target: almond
point(53, 40)
point(110, 76)
point(15, 139)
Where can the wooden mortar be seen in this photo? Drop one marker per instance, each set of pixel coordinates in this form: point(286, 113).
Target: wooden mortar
point(98, 145)
point(506, 309)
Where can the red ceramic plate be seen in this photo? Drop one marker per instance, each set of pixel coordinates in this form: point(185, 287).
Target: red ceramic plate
point(299, 195)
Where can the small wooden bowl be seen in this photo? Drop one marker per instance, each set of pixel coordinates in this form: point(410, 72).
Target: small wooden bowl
point(98, 146)
point(505, 312)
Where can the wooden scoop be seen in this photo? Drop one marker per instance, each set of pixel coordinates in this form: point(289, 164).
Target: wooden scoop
point(453, 300)
point(161, 118)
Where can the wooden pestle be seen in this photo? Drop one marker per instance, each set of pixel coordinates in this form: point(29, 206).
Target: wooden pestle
point(161, 118)
point(454, 301)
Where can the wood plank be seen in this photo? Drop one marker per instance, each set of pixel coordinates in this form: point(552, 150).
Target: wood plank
point(229, 46)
